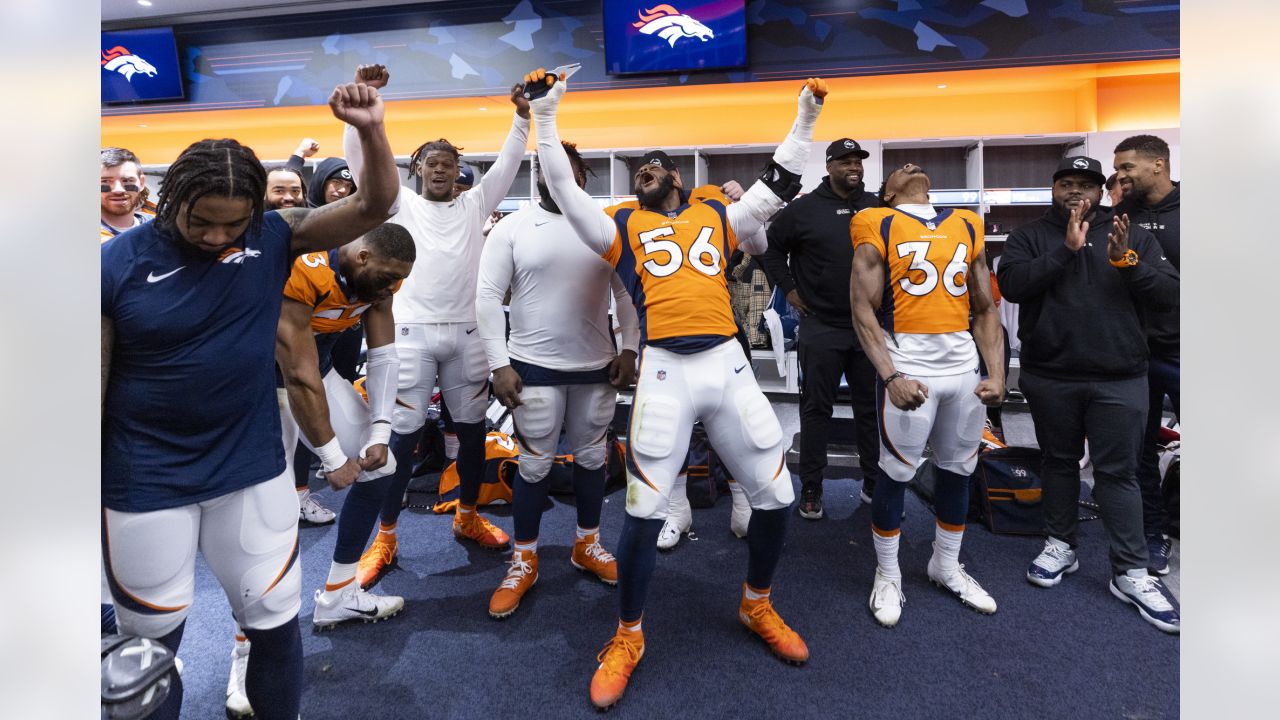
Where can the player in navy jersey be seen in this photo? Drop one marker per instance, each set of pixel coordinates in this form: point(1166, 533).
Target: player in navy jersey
point(191, 457)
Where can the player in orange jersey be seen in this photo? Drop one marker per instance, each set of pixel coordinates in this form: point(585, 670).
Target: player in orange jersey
point(918, 274)
point(672, 255)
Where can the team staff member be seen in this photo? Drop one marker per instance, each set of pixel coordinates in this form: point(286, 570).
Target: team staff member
point(191, 453)
point(672, 256)
point(918, 276)
point(1080, 274)
point(124, 193)
point(809, 258)
point(1151, 200)
point(559, 369)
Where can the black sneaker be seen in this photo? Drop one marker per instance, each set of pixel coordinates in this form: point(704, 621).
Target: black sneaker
point(1158, 549)
point(811, 503)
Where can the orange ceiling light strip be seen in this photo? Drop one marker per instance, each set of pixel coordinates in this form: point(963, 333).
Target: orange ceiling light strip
point(1007, 101)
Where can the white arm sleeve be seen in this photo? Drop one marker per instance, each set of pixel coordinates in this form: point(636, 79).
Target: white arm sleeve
point(354, 155)
point(381, 382)
point(593, 226)
point(493, 187)
point(755, 243)
point(759, 203)
point(628, 320)
point(496, 268)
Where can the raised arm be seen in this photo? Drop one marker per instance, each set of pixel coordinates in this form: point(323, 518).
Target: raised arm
point(780, 181)
point(300, 366)
point(493, 187)
point(592, 225)
point(378, 181)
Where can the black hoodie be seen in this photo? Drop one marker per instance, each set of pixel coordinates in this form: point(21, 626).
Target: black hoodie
point(1079, 315)
point(814, 231)
point(1163, 331)
point(325, 170)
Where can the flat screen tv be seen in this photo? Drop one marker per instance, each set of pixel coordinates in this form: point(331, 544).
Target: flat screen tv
point(140, 65)
point(652, 37)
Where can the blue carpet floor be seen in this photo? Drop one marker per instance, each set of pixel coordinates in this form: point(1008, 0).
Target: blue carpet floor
point(1070, 652)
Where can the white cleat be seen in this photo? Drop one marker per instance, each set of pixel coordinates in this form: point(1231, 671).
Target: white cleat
point(740, 518)
point(962, 585)
point(310, 510)
point(237, 701)
point(354, 604)
point(679, 518)
point(886, 599)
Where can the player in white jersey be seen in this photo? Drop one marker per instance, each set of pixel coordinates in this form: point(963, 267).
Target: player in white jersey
point(559, 369)
point(435, 316)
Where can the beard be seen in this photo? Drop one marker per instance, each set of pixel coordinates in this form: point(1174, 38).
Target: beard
point(363, 289)
point(547, 203)
point(654, 197)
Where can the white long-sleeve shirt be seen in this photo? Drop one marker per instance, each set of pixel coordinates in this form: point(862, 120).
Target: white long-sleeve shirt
point(449, 236)
point(559, 296)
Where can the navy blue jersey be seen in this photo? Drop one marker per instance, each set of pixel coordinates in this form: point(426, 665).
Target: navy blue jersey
point(191, 410)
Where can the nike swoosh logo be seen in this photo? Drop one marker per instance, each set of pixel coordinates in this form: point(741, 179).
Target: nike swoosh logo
point(540, 224)
point(471, 331)
point(366, 613)
point(738, 370)
point(152, 277)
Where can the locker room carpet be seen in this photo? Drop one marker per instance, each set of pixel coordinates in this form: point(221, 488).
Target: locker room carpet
point(1069, 652)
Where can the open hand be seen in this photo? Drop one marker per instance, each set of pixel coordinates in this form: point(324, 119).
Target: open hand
point(1077, 226)
point(1118, 239)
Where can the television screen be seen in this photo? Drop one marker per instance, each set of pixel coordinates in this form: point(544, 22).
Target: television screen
point(650, 37)
point(140, 65)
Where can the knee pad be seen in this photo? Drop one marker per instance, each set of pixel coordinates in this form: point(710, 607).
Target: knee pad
point(535, 468)
point(764, 493)
point(408, 420)
point(590, 457)
point(270, 593)
point(150, 573)
point(644, 502)
point(536, 421)
point(654, 425)
point(895, 469)
point(760, 426)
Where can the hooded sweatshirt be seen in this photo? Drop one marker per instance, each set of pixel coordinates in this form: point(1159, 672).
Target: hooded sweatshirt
point(813, 233)
point(1079, 315)
point(1163, 328)
point(325, 170)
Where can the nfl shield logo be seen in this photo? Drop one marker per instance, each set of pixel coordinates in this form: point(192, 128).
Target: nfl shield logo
point(931, 225)
point(662, 374)
point(404, 331)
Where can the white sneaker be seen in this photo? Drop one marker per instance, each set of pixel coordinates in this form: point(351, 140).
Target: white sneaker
point(886, 599)
point(740, 517)
point(1145, 592)
point(1054, 561)
point(353, 603)
point(310, 510)
point(671, 531)
point(963, 586)
point(237, 700)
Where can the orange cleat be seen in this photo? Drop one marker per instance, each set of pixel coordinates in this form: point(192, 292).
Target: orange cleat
point(521, 575)
point(760, 618)
point(378, 560)
point(485, 533)
point(590, 556)
point(618, 660)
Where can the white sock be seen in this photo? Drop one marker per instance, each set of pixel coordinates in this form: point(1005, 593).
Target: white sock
point(387, 529)
point(629, 628)
point(242, 643)
point(946, 547)
point(1136, 573)
point(529, 547)
point(887, 554)
point(583, 533)
point(451, 445)
point(752, 594)
point(340, 575)
point(303, 492)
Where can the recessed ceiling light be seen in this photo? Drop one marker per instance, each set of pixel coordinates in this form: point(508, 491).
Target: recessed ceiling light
point(142, 125)
point(144, 3)
point(484, 109)
point(940, 87)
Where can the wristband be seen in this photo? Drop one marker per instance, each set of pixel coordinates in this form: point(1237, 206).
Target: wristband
point(331, 455)
point(891, 378)
point(379, 433)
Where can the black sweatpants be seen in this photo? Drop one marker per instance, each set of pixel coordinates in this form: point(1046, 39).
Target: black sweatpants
point(1112, 414)
point(826, 353)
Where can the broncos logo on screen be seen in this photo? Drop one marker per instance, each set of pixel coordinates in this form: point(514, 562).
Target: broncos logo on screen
point(119, 59)
point(670, 24)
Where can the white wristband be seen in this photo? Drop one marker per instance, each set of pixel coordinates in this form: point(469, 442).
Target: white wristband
point(379, 434)
point(331, 455)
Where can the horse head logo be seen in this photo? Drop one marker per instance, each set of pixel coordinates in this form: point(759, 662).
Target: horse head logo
point(119, 59)
point(670, 24)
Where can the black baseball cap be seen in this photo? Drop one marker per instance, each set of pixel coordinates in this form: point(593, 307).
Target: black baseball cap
point(1081, 165)
point(659, 158)
point(466, 176)
point(845, 146)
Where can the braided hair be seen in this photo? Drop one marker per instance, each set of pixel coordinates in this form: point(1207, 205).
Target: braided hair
point(415, 160)
point(221, 168)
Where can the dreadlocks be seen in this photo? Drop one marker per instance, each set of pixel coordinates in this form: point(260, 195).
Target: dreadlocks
point(415, 160)
point(222, 168)
point(570, 149)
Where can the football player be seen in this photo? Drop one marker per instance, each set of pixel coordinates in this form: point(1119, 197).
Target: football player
point(191, 453)
point(918, 273)
point(559, 369)
point(671, 256)
point(124, 193)
point(435, 317)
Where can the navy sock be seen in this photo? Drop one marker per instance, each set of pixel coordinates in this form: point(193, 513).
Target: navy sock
point(887, 504)
point(527, 501)
point(302, 459)
point(359, 514)
point(950, 496)
point(588, 493)
point(637, 554)
point(273, 681)
point(401, 447)
point(470, 461)
point(173, 701)
point(766, 534)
